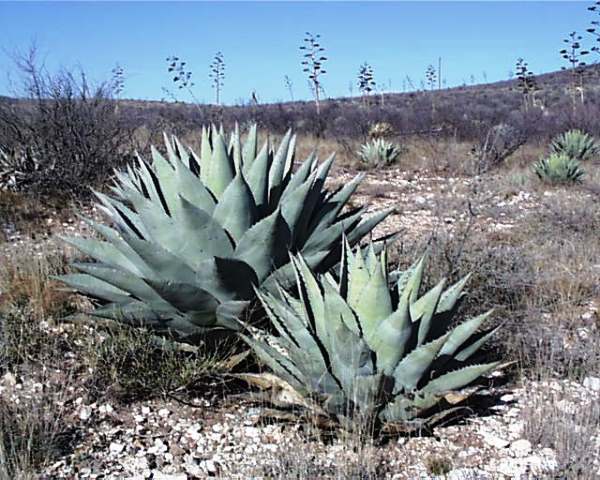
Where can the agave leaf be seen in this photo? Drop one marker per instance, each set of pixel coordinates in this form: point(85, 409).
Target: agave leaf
point(250, 146)
point(164, 264)
point(102, 251)
point(367, 224)
point(95, 287)
point(236, 276)
point(412, 367)
point(122, 280)
point(204, 237)
point(458, 378)
point(193, 190)
point(236, 147)
point(451, 295)
point(150, 185)
point(206, 155)
point(424, 308)
point(264, 246)
point(324, 168)
point(125, 218)
point(336, 307)
point(186, 297)
point(236, 211)
point(277, 362)
point(462, 333)
point(300, 339)
point(335, 203)
point(409, 283)
point(320, 239)
point(257, 177)
point(472, 348)
point(222, 171)
point(312, 300)
point(229, 313)
point(374, 303)
point(166, 173)
point(390, 340)
point(135, 313)
point(284, 276)
point(348, 353)
point(299, 177)
point(277, 170)
point(292, 206)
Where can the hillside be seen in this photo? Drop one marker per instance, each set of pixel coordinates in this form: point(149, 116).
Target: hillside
point(465, 111)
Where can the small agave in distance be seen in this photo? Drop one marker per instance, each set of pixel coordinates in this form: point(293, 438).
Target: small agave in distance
point(558, 168)
point(195, 234)
point(576, 145)
point(379, 152)
point(354, 349)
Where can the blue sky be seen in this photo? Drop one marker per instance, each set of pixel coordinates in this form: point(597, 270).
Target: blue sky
point(260, 41)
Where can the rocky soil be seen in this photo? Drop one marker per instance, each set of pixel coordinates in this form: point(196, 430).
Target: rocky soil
point(231, 437)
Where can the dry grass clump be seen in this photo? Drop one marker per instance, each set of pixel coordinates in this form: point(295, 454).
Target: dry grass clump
point(349, 457)
point(29, 302)
point(570, 427)
point(130, 364)
point(25, 282)
point(34, 428)
point(564, 415)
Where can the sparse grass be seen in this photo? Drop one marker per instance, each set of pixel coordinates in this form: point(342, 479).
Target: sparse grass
point(132, 364)
point(351, 457)
point(26, 283)
point(438, 465)
point(570, 427)
point(563, 415)
point(33, 429)
point(29, 302)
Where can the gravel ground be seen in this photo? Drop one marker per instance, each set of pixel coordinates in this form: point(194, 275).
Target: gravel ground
point(230, 438)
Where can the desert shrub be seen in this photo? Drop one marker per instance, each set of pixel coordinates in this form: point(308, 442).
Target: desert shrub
point(381, 130)
point(438, 465)
point(64, 134)
point(499, 143)
point(558, 168)
point(575, 144)
point(33, 432)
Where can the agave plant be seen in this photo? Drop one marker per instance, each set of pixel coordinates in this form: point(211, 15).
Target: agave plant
point(379, 152)
point(16, 168)
point(353, 348)
point(194, 234)
point(558, 168)
point(576, 145)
